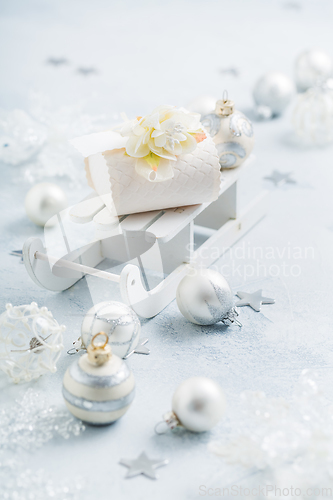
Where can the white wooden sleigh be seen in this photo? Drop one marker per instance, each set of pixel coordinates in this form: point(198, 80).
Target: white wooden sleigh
point(161, 241)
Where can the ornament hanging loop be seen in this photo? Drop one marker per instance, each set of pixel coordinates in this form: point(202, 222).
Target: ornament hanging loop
point(98, 354)
point(99, 346)
point(170, 422)
point(224, 107)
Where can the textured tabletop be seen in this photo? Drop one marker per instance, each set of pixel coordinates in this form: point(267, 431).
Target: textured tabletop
point(130, 57)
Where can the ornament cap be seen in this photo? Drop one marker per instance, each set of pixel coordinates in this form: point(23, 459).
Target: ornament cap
point(224, 107)
point(99, 353)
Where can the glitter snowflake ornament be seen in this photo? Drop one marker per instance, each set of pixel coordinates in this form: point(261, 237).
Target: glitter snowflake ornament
point(31, 342)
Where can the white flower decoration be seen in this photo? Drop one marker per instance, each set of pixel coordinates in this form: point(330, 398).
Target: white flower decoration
point(156, 140)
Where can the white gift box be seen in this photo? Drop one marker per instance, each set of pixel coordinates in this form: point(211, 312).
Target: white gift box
point(111, 173)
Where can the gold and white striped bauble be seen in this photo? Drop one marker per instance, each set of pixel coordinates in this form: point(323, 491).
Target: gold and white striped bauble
point(98, 388)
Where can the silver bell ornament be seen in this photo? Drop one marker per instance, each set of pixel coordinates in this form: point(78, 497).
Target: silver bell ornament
point(118, 321)
point(198, 404)
point(312, 67)
point(204, 297)
point(232, 133)
point(43, 201)
point(272, 93)
point(98, 388)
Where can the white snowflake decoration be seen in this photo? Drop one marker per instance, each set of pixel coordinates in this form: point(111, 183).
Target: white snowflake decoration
point(31, 342)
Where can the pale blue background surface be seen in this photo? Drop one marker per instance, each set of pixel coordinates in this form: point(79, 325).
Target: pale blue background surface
point(170, 52)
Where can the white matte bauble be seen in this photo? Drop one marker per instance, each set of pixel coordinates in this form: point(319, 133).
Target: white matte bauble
point(204, 297)
point(118, 321)
point(232, 133)
point(312, 67)
point(98, 388)
point(43, 201)
point(203, 105)
point(199, 404)
point(273, 92)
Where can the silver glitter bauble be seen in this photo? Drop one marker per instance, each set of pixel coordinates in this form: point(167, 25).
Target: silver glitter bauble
point(272, 93)
point(312, 67)
point(205, 298)
point(98, 388)
point(43, 201)
point(118, 321)
point(232, 133)
point(198, 404)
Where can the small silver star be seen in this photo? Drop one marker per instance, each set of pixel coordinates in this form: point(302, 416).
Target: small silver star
point(254, 300)
point(279, 178)
point(86, 71)
point(57, 61)
point(140, 348)
point(230, 71)
point(142, 465)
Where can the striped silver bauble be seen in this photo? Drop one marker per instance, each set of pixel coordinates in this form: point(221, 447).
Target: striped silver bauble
point(118, 321)
point(98, 388)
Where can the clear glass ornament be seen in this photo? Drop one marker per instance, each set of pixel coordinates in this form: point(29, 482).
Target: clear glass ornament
point(278, 434)
point(30, 342)
point(313, 115)
point(21, 137)
point(20, 483)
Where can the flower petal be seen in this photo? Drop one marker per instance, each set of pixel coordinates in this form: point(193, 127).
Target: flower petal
point(160, 141)
point(163, 172)
point(133, 150)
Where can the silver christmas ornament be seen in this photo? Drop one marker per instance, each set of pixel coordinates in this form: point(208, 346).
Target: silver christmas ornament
point(278, 178)
point(142, 465)
point(254, 300)
point(31, 341)
point(231, 131)
point(118, 321)
point(98, 388)
point(312, 67)
point(313, 115)
point(198, 404)
point(43, 201)
point(205, 298)
point(272, 93)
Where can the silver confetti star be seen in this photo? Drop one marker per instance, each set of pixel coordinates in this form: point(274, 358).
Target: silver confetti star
point(142, 465)
point(57, 61)
point(140, 348)
point(254, 300)
point(86, 71)
point(279, 178)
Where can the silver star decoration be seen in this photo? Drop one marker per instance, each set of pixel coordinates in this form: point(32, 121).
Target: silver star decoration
point(279, 178)
point(142, 465)
point(140, 348)
point(57, 61)
point(254, 300)
point(17, 253)
point(86, 71)
point(230, 71)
